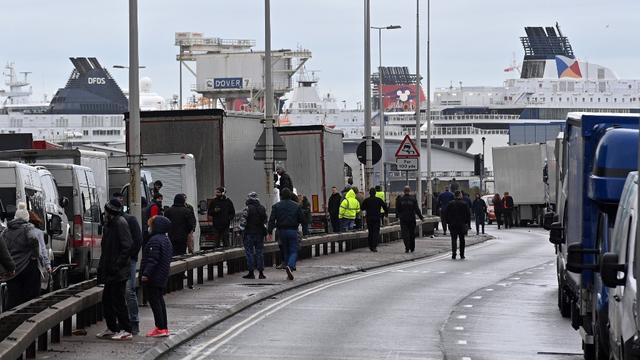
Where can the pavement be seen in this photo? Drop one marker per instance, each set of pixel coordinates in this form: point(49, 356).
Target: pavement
point(192, 311)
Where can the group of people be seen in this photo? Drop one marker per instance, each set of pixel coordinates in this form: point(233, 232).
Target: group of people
point(503, 208)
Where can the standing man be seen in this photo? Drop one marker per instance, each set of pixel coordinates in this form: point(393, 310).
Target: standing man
point(407, 209)
point(334, 209)
point(156, 205)
point(254, 217)
point(479, 212)
point(454, 186)
point(285, 180)
point(467, 200)
point(157, 185)
point(113, 272)
point(380, 195)
point(286, 216)
point(375, 209)
point(458, 217)
point(136, 244)
point(183, 223)
point(221, 212)
point(443, 200)
point(349, 209)
point(507, 202)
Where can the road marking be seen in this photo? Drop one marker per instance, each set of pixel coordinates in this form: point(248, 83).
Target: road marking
point(458, 328)
point(462, 317)
point(465, 358)
point(478, 297)
point(442, 272)
point(514, 278)
point(462, 342)
point(242, 326)
point(468, 273)
point(488, 289)
point(468, 306)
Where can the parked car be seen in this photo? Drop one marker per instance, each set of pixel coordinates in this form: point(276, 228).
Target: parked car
point(491, 214)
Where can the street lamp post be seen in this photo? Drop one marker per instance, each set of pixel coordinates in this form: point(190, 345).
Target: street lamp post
point(134, 154)
point(418, 91)
point(368, 168)
point(381, 98)
point(482, 167)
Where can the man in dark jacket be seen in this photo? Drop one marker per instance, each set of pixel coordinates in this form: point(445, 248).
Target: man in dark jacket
point(334, 209)
point(155, 266)
point(467, 200)
point(221, 213)
point(443, 200)
point(479, 212)
point(155, 208)
point(372, 207)
point(136, 244)
point(406, 210)
point(458, 216)
point(183, 223)
point(286, 216)
point(7, 265)
point(285, 180)
point(113, 272)
point(507, 201)
point(252, 222)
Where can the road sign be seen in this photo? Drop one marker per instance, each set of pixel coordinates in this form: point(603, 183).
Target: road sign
point(279, 148)
point(407, 149)
point(376, 152)
point(407, 164)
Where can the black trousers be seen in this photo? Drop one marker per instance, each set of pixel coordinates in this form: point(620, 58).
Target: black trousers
point(499, 217)
point(335, 224)
point(479, 222)
point(508, 218)
point(158, 307)
point(114, 304)
point(25, 286)
point(454, 243)
point(373, 225)
point(408, 231)
point(444, 224)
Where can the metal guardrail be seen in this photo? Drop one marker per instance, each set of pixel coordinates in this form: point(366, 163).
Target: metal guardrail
point(32, 326)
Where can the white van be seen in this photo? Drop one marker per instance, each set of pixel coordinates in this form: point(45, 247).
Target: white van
point(619, 271)
point(84, 210)
point(54, 204)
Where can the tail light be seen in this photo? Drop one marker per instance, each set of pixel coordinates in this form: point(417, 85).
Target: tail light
point(78, 234)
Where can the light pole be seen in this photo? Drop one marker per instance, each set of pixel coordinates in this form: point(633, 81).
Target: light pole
point(134, 155)
point(268, 102)
point(418, 91)
point(429, 184)
point(482, 165)
point(368, 168)
point(381, 98)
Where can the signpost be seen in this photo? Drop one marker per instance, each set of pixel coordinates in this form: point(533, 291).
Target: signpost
point(376, 152)
point(407, 156)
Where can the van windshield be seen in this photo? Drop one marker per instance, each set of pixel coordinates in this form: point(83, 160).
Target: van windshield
point(67, 191)
point(8, 197)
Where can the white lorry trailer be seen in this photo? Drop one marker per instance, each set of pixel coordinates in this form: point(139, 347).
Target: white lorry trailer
point(520, 170)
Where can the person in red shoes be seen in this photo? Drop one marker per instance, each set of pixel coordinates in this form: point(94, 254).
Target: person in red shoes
point(156, 261)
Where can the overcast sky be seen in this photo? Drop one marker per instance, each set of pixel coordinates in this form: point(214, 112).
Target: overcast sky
point(471, 40)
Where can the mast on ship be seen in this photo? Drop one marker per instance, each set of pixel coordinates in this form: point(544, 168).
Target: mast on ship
point(17, 92)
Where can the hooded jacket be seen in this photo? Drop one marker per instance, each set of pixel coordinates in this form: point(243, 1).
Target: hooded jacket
point(21, 243)
point(183, 222)
point(350, 206)
point(116, 246)
point(157, 253)
point(254, 216)
point(222, 211)
point(458, 216)
point(286, 214)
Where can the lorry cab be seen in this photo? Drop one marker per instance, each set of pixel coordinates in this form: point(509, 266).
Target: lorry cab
point(119, 182)
point(85, 209)
point(619, 271)
point(54, 206)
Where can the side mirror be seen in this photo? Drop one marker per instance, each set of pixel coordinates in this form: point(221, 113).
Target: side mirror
point(64, 202)
point(202, 207)
point(575, 262)
point(54, 227)
point(609, 269)
point(548, 220)
point(556, 233)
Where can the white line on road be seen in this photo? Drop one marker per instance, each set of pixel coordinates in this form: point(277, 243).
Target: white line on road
point(462, 317)
point(467, 306)
point(458, 328)
point(462, 342)
point(478, 297)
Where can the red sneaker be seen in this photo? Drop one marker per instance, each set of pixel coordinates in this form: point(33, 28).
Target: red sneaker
point(163, 333)
point(154, 332)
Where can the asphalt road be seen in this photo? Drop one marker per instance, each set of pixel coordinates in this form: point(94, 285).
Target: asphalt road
point(436, 308)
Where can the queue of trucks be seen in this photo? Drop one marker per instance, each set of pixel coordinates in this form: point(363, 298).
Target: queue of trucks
point(594, 231)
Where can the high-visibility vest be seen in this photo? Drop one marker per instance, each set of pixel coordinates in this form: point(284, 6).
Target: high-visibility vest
point(380, 195)
point(349, 207)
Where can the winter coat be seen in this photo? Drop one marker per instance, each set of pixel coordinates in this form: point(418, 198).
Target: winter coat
point(285, 182)
point(157, 253)
point(222, 211)
point(183, 222)
point(116, 245)
point(350, 206)
point(467, 201)
point(254, 216)
point(407, 208)
point(498, 205)
point(479, 209)
point(380, 195)
point(374, 207)
point(155, 208)
point(6, 261)
point(306, 211)
point(458, 216)
point(285, 214)
point(508, 202)
point(334, 204)
point(21, 243)
point(444, 199)
point(136, 235)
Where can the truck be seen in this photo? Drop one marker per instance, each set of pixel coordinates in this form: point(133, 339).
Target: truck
point(222, 145)
point(526, 172)
point(598, 151)
point(177, 173)
point(315, 162)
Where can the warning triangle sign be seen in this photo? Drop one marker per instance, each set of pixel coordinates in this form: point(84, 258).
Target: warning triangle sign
point(407, 149)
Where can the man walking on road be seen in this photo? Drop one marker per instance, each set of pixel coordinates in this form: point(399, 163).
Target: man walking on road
point(458, 216)
point(183, 223)
point(479, 212)
point(254, 216)
point(334, 209)
point(507, 201)
point(221, 212)
point(113, 272)
point(374, 209)
point(286, 216)
point(407, 209)
point(443, 200)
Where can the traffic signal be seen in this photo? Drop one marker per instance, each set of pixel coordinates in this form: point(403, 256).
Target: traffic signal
point(477, 164)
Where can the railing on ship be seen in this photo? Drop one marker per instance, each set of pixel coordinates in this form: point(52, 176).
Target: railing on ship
point(435, 131)
point(409, 118)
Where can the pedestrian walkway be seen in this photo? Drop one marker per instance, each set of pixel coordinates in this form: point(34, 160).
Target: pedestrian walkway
point(193, 310)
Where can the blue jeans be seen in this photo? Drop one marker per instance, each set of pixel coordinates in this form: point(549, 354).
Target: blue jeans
point(289, 238)
point(253, 246)
point(347, 224)
point(132, 295)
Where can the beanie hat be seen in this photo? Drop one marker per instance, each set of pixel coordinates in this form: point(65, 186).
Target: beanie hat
point(253, 195)
point(179, 199)
point(21, 212)
point(113, 206)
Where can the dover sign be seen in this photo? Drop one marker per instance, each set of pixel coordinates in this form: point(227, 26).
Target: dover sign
point(225, 83)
